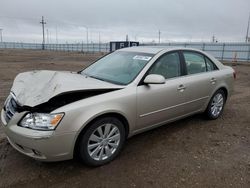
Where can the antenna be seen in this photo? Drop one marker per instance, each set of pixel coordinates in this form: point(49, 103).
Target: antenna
point(43, 23)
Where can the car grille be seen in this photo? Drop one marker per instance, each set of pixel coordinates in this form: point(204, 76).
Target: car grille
point(10, 108)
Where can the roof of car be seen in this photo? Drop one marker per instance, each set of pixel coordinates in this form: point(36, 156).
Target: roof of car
point(154, 49)
point(151, 50)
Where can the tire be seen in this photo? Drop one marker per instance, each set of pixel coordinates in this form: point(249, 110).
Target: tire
point(102, 141)
point(216, 105)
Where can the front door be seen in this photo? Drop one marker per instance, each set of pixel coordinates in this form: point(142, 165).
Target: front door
point(158, 103)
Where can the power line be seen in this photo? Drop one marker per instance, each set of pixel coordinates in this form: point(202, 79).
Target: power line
point(43, 23)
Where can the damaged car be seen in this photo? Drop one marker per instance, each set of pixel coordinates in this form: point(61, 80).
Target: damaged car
point(57, 115)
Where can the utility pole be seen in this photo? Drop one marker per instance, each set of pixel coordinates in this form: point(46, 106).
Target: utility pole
point(87, 31)
point(1, 32)
point(87, 37)
point(99, 37)
point(99, 42)
point(159, 36)
point(43, 23)
point(213, 39)
point(247, 38)
point(47, 36)
point(56, 36)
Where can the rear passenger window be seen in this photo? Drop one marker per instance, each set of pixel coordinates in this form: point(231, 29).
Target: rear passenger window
point(195, 62)
point(210, 65)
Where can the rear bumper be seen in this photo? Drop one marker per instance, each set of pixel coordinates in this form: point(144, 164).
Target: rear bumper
point(40, 145)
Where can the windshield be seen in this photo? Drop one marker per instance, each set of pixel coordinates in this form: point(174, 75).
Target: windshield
point(118, 67)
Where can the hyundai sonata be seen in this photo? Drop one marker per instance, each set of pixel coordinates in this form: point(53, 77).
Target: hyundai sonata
point(56, 115)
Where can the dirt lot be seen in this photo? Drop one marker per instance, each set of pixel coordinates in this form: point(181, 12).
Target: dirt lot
point(192, 152)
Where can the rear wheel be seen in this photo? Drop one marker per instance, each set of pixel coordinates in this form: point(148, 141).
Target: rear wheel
point(216, 105)
point(102, 141)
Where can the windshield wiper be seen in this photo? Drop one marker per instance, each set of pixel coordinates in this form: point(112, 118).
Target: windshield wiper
point(96, 78)
point(105, 80)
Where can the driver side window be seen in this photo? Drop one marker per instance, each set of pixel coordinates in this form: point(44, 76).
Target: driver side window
point(167, 65)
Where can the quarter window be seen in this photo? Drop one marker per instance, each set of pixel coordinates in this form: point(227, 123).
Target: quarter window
point(167, 65)
point(195, 62)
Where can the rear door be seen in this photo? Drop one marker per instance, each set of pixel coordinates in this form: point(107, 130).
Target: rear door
point(198, 82)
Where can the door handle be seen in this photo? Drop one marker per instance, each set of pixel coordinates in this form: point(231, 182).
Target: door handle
point(213, 80)
point(181, 88)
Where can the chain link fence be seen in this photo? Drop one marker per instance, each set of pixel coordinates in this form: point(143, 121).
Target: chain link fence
point(76, 47)
point(222, 51)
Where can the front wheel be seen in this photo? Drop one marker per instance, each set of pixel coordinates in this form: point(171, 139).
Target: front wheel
point(102, 141)
point(216, 105)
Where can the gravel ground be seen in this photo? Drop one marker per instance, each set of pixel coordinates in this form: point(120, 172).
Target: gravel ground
point(192, 152)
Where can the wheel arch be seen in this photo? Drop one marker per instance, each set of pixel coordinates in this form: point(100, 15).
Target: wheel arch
point(224, 89)
point(117, 115)
point(207, 111)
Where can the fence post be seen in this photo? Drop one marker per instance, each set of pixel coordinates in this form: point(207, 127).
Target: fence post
point(203, 46)
point(248, 56)
point(223, 50)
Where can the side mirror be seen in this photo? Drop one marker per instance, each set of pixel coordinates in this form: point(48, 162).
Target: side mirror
point(154, 79)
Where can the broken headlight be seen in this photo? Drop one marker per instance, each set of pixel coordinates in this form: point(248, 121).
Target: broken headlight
point(41, 121)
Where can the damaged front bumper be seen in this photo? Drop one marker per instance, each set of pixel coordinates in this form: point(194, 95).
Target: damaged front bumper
point(41, 145)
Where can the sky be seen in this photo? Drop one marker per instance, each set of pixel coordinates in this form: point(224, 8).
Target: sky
point(111, 20)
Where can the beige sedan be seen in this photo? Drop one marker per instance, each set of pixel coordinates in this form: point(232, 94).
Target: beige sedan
point(52, 115)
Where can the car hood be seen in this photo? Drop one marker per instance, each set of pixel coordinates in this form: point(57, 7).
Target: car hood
point(37, 87)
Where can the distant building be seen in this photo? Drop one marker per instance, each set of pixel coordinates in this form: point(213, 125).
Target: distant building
point(115, 45)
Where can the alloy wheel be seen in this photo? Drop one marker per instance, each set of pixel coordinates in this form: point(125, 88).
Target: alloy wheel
point(217, 104)
point(103, 142)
